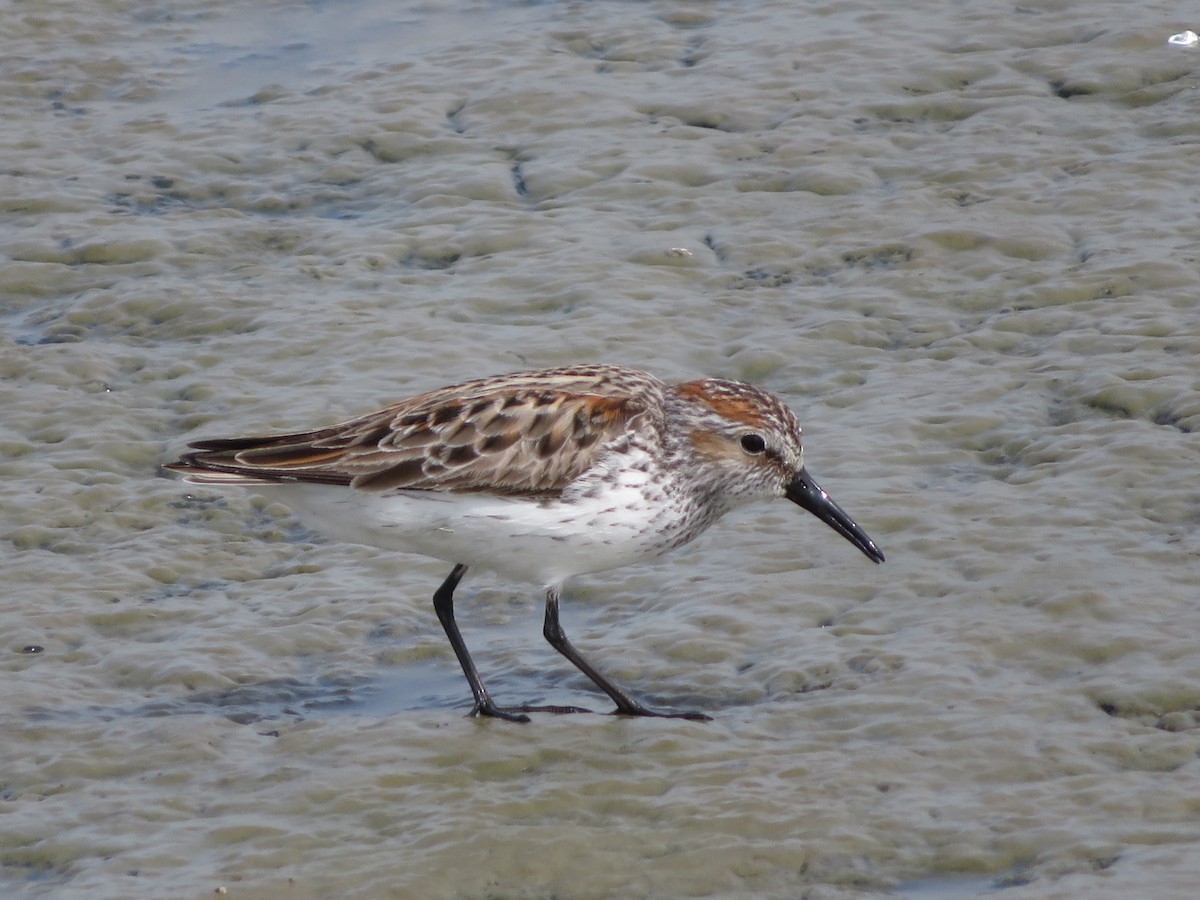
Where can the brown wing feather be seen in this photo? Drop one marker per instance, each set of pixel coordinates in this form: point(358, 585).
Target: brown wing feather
point(527, 433)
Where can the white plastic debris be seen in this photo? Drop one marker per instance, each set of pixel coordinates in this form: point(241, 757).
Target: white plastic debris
point(1184, 39)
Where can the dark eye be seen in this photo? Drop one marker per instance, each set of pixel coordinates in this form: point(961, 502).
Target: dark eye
point(753, 443)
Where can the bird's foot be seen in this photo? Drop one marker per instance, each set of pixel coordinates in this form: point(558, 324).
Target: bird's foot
point(492, 711)
point(637, 709)
point(517, 713)
point(556, 710)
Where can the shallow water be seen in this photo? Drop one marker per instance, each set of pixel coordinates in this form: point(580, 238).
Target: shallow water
point(958, 239)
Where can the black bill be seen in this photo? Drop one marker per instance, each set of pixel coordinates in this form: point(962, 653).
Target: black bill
point(808, 494)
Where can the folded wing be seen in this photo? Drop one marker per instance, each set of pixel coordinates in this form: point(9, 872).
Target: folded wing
point(512, 435)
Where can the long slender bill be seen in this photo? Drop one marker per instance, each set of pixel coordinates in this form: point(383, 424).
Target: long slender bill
point(807, 493)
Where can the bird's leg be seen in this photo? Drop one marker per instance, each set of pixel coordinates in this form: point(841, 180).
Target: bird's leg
point(443, 605)
point(626, 705)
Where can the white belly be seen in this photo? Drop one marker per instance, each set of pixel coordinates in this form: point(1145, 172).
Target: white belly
point(540, 541)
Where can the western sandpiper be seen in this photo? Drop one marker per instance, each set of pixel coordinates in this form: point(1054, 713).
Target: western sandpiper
point(539, 475)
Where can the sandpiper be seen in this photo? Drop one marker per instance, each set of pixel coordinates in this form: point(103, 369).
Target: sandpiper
point(539, 475)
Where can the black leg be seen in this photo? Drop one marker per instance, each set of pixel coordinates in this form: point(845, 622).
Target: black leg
point(626, 705)
point(443, 605)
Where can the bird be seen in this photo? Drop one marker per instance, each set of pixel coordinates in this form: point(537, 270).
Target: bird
point(537, 475)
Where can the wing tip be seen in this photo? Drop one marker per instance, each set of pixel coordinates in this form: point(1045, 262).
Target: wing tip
point(195, 472)
point(221, 468)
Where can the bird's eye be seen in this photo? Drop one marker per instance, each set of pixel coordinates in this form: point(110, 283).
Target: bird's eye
point(753, 443)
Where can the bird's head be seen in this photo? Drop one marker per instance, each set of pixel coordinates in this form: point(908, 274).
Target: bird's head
point(748, 445)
